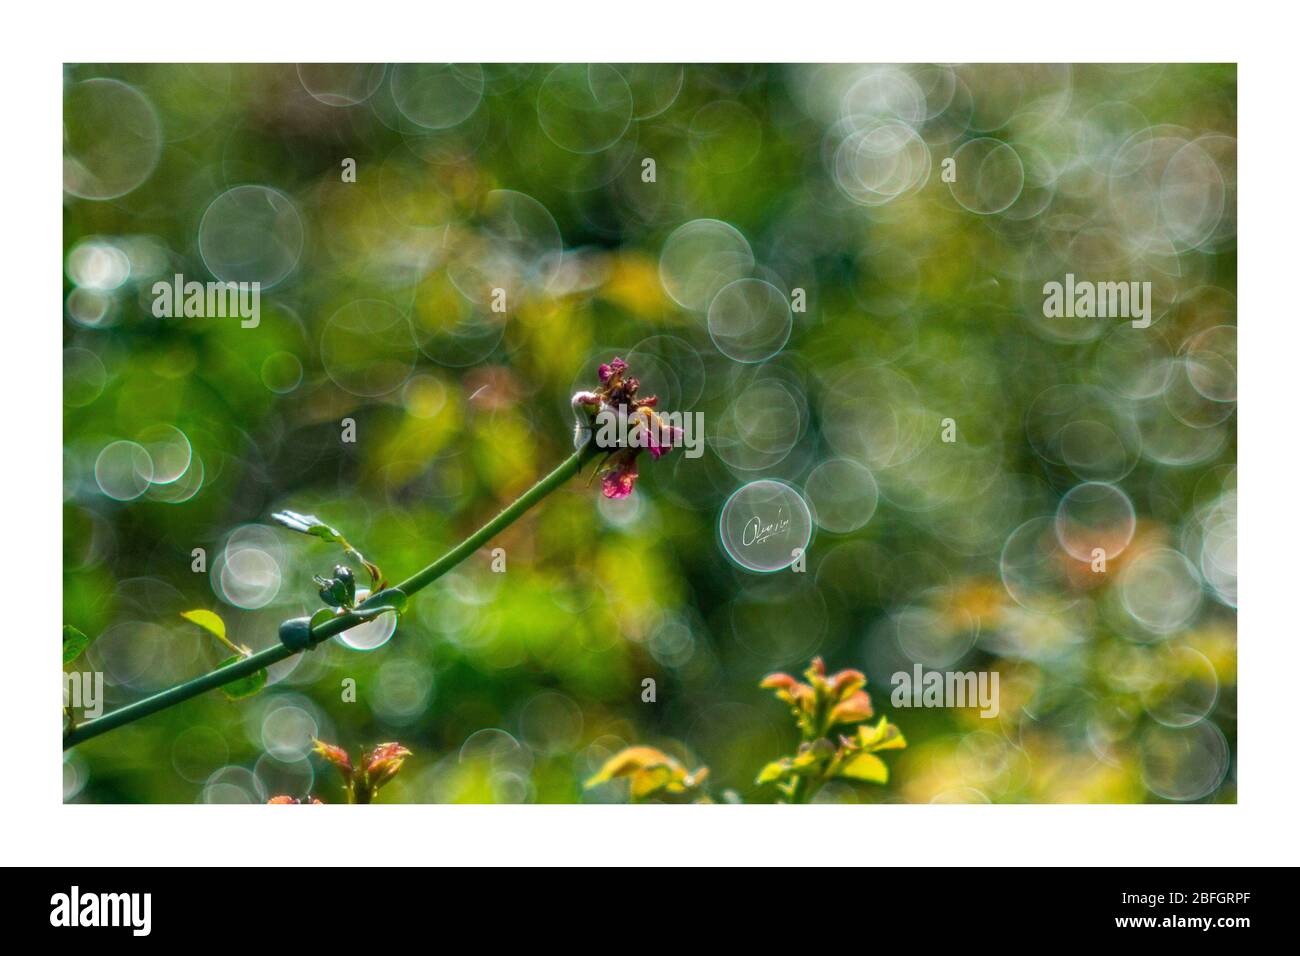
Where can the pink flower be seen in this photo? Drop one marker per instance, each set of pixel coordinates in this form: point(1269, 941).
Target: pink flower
point(608, 371)
point(657, 435)
point(615, 399)
point(618, 475)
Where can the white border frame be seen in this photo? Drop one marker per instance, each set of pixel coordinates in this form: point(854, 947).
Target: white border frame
point(1260, 829)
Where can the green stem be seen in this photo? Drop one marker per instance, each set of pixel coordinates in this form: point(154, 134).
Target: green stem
point(570, 467)
point(803, 788)
point(335, 625)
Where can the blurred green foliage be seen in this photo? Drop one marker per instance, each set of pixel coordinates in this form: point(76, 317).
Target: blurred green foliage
point(924, 304)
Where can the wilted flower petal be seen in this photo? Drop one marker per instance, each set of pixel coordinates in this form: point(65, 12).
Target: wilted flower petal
point(610, 370)
point(619, 476)
point(639, 426)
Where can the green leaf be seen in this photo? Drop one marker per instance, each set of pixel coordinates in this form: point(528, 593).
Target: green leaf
point(215, 626)
point(370, 613)
point(391, 597)
point(864, 766)
point(774, 771)
point(207, 620)
point(321, 616)
point(810, 758)
point(74, 643)
point(245, 686)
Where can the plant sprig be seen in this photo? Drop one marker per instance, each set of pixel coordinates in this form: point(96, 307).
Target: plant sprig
point(246, 686)
point(819, 707)
point(311, 525)
point(299, 634)
point(343, 611)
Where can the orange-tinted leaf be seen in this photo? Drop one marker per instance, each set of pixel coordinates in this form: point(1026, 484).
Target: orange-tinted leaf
point(847, 681)
point(852, 709)
point(335, 755)
point(383, 762)
point(816, 674)
point(778, 680)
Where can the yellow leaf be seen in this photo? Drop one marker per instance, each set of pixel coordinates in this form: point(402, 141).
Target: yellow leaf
point(774, 771)
point(804, 760)
point(648, 782)
point(883, 736)
point(206, 620)
point(629, 761)
point(864, 766)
